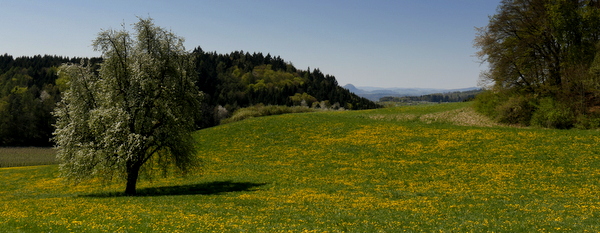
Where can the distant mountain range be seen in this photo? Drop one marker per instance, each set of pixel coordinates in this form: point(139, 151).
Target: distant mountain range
point(375, 93)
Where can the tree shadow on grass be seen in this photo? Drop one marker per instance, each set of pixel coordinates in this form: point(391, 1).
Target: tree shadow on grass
point(210, 188)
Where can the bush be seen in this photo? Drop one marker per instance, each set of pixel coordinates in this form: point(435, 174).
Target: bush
point(590, 121)
point(552, 114)
point(220, 113)
point(262, 110)
point(486, 103)
point(524, 109)
point(516, 110)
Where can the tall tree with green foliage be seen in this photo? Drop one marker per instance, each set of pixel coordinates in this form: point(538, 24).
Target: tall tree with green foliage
point(539, 44)
point(541, 49)
point(134, 114)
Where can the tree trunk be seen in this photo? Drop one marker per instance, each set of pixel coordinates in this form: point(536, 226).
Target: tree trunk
point(133, 170)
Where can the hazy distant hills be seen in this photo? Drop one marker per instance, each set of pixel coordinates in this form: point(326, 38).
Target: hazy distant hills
point(375, 93)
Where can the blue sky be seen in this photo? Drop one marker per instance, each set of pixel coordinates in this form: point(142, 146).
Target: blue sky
point(381, 43)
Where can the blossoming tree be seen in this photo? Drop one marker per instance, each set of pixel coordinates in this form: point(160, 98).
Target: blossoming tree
point(138, 109)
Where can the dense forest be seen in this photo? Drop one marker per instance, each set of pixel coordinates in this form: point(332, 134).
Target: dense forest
point(241, 79)
point(28, 95)
point(30, 88)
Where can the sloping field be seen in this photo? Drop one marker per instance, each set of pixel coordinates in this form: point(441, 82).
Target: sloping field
point(424, 168)
point(26, 156)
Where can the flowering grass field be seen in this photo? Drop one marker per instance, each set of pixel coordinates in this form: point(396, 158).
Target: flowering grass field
point(419, 168)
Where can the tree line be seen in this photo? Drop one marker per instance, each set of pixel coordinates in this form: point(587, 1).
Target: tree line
point(457, 96)
point(240, 79)
point(28, 95)
point(30, 88)
point(544, 63)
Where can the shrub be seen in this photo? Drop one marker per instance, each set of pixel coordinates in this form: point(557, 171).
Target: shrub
point(516, 110)
point(220, 113)
point(486, 103)
point(552, 114)
point(590, 121)
point(262, 110)
point(303, 99)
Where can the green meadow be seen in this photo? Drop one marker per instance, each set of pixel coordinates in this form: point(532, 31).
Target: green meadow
point(423, 168)
point(26, 156)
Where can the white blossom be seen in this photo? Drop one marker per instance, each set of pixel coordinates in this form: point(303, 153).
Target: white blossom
point(137, 109)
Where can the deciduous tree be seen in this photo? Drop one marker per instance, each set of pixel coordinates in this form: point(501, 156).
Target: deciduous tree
point(135, 113)
point(543, 49)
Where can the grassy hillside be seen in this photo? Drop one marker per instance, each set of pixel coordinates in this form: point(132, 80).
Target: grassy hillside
point(419, 168)
point(26, 156)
